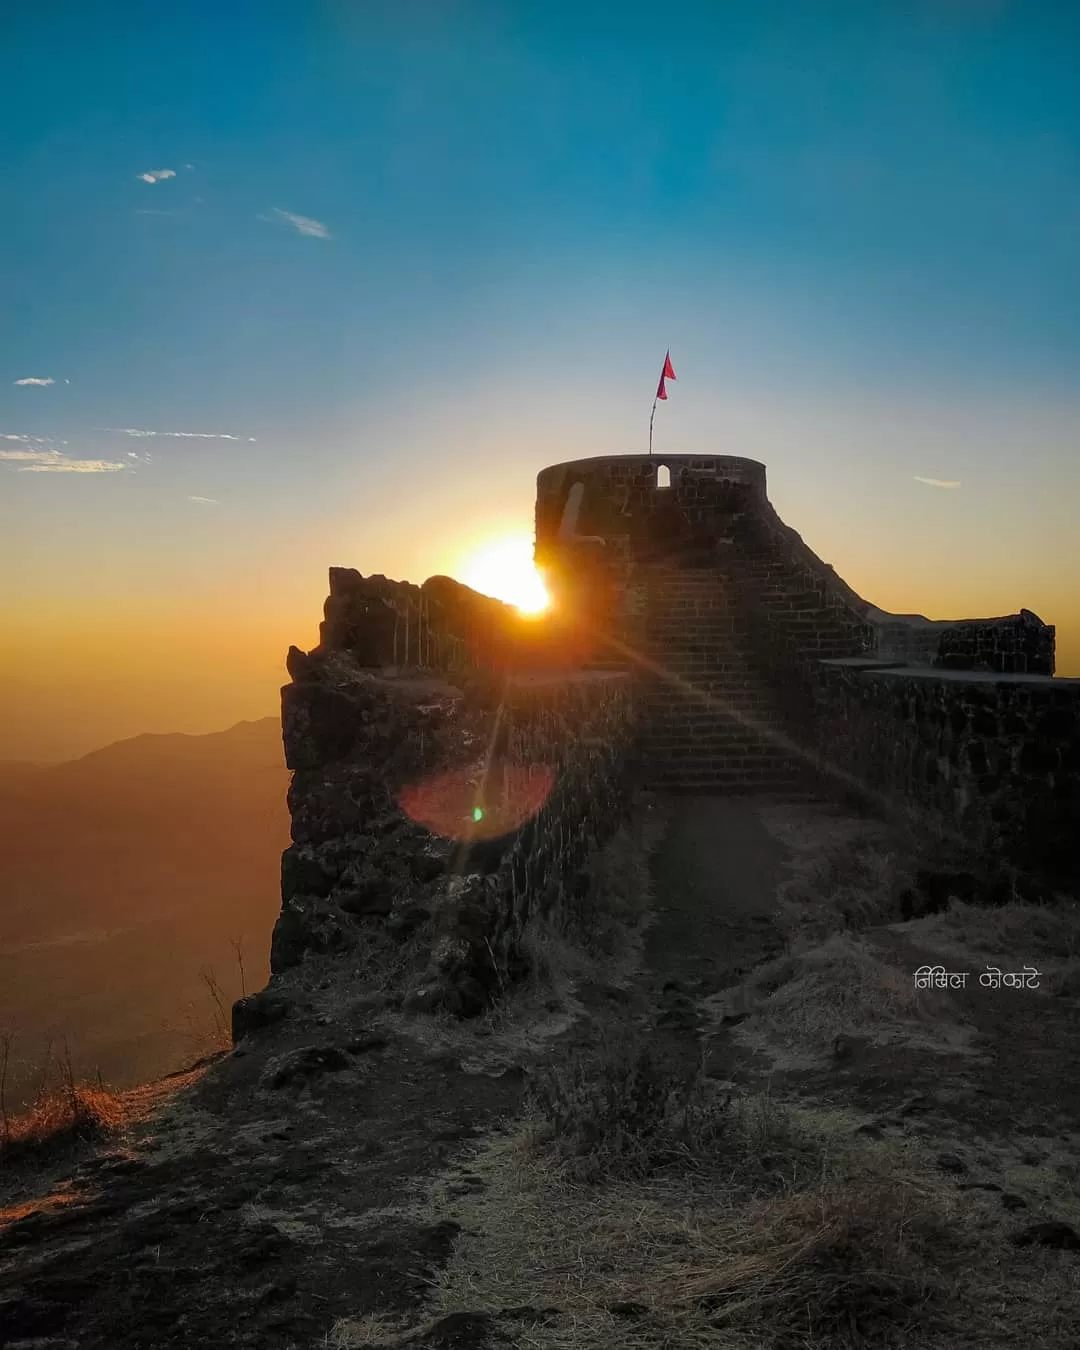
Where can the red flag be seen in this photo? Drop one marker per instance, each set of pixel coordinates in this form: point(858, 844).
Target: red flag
point(668, 373)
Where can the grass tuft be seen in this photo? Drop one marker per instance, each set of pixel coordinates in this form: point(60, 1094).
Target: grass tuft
point(63, 1113)
point(845, 1265)
point(620, 1109)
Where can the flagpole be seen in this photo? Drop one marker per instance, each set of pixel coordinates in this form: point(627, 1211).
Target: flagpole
point(651, 416)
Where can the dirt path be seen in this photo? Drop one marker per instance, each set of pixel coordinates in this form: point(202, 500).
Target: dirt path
point(715, 876)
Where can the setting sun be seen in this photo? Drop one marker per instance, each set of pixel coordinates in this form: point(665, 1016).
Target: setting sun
point(506, 570)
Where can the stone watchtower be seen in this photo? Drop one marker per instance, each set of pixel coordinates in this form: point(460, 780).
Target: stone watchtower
point(665, 565)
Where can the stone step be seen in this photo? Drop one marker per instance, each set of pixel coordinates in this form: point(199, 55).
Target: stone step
point(727, 713)
point(728, 726)
point(787, 793)
point(706, 781)
point(722, 660)
point(680, 629)
point(759, 736)
point(660, 752)
point(695, 699)
point(729, 742)
point(700, 714)
point(682, 635)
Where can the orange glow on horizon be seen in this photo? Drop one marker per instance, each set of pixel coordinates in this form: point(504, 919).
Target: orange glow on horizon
point(505, 570)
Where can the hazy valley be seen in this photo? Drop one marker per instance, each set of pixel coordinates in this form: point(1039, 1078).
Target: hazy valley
point(124, 874)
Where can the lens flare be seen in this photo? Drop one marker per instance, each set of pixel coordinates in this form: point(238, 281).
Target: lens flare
point(471, 803)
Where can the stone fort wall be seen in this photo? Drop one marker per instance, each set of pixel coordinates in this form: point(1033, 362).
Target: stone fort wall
point(759, 667)
point(696, 644)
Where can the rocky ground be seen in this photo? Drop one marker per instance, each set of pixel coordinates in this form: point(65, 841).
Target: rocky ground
point(354, 1176)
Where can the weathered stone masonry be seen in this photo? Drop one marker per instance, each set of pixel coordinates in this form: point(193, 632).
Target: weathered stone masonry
point(452, 810)
point(761, 667)
point(996, 756)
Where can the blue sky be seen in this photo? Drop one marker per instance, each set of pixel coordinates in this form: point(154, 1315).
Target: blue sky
point(422, 250)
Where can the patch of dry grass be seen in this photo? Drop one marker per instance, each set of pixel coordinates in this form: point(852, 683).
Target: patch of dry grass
point(845, 1264)
point(1014, 934)
point(846, 987)
point(64, 1112)
point(617, 1107)
point(620, 1108)
point(856, 886)
point(681, 1260)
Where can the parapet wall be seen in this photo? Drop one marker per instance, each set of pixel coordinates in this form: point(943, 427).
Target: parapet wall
point(996, 758)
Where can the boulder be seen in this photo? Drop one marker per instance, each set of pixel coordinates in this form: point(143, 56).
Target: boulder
point(310, 1061)
point(304, 925)
point(257, 1011)
point(369, 892)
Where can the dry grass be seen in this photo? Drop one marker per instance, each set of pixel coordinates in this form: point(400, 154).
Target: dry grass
point(1015, 934)
point(853, 886)
point(682, 1260)
point(847, 987)
point(63, 1113)
point(846, 1264)
point(619, 1108)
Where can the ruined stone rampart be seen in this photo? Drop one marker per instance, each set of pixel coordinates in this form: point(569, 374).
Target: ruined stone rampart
point(442, 625)
point(444, 811)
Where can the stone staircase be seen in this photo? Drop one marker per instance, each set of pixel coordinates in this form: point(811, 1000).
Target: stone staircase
point(708, 723)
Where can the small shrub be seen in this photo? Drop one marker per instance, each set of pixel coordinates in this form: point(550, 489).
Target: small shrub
point(861, 883)
point(615, 1108)
point(620, 1108)
point(64, 1112)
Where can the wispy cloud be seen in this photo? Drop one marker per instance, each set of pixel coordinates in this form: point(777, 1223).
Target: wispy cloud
point(63, 465)
point(30, 460)
point(185, 435)
point(28, 454)
point(937, 482)
point(152, 211)
point(315, 229)
point(156, 175)
point(37, 379)
point(206, 501)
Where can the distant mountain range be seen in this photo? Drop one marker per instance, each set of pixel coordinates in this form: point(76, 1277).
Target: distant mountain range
point(125, 871)
point(147, 825)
